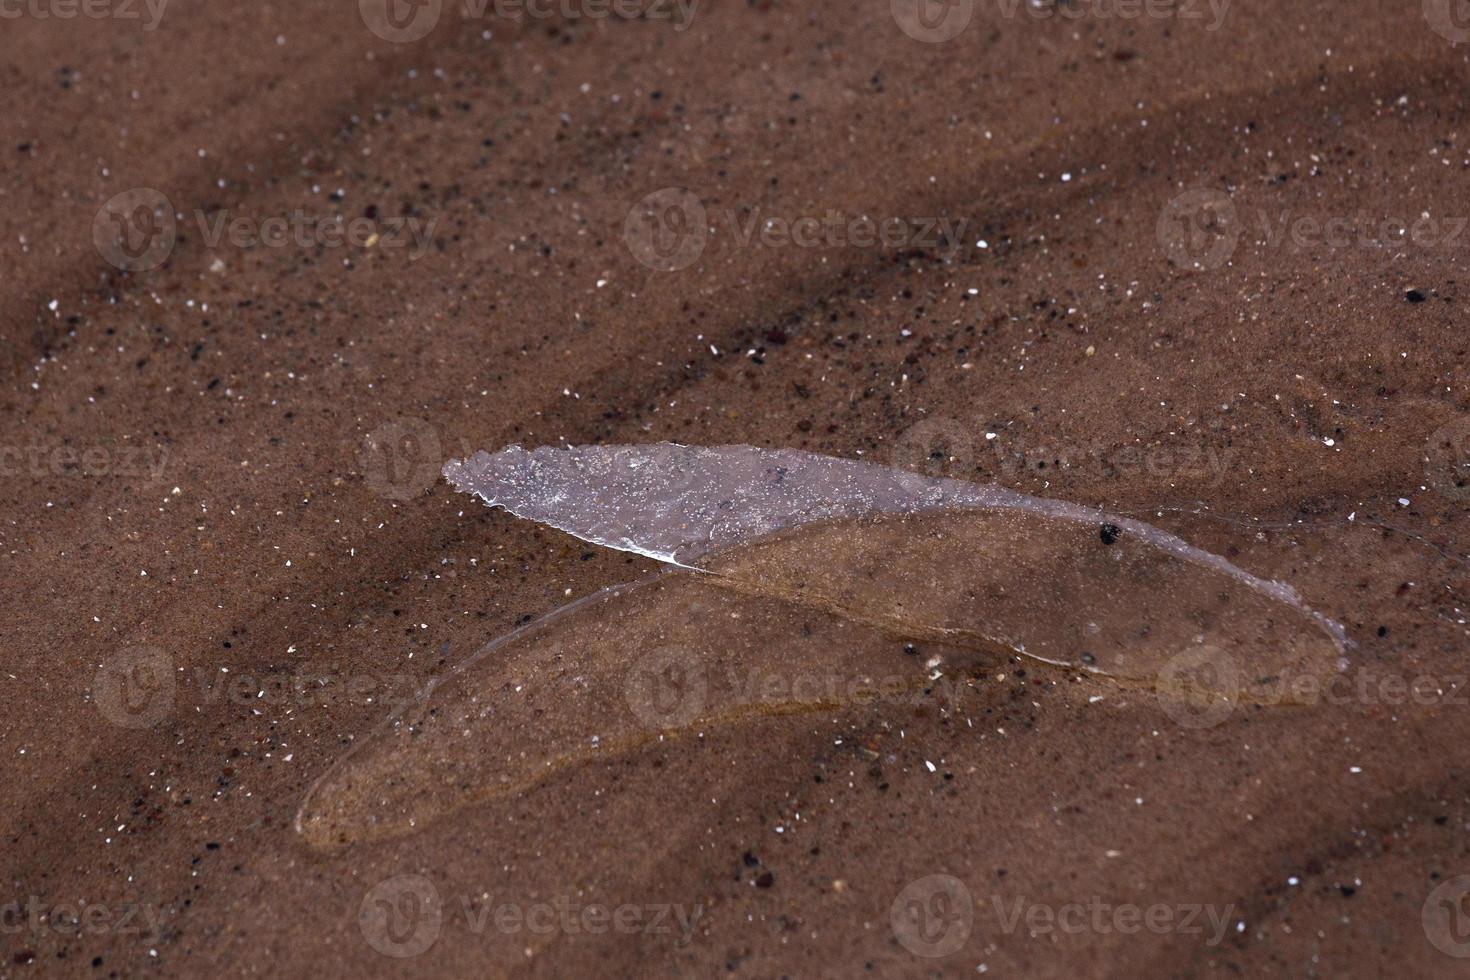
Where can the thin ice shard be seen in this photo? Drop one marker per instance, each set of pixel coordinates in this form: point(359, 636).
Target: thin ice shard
point(816, 579)
point(619, 670)
point(679, 503)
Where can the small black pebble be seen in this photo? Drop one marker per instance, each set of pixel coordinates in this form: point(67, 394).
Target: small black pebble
point(766, 880)
point(1383, 631)
point(910, 649)
point(1109, 533)
point(750, 860)
point(1414, 296)
point(1348, 891)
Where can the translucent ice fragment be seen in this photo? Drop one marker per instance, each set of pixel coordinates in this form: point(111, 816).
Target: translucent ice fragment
point(1031, 583)
point(677, 503)
point(815, 575)
point(625, 667)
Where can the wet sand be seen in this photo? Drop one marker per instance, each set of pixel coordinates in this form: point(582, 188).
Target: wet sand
point(231, 556)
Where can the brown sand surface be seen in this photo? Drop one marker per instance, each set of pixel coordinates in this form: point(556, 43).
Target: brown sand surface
point(228, 555)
